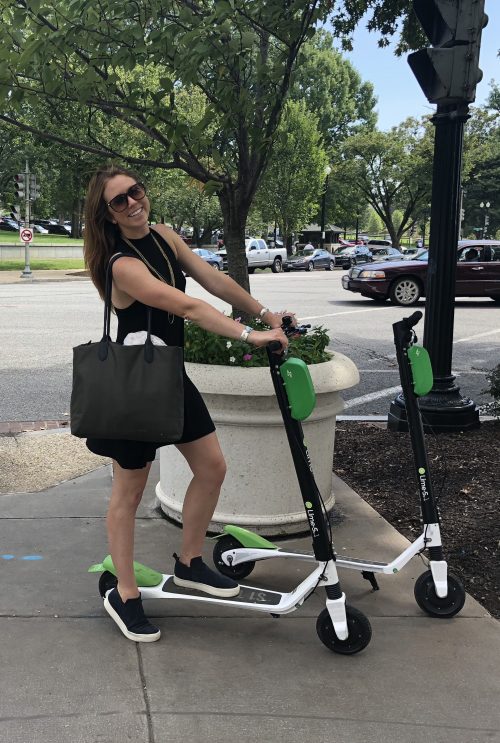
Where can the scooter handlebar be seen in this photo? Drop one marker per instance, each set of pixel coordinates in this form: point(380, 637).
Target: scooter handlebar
point(411, 321)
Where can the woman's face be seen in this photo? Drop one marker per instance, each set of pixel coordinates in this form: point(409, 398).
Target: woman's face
point(130, 214)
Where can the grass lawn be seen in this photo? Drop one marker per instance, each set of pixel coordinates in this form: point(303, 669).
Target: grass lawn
point(13, 238)
point(36, 264)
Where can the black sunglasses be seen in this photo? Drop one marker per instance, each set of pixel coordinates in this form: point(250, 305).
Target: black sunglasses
point(120, 202)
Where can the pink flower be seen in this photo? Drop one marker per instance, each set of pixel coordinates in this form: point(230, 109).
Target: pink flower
point(237, 319)
point(247, 357)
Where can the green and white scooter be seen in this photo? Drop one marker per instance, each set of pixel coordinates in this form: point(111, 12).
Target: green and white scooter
point(342, 628)
point(437, 592)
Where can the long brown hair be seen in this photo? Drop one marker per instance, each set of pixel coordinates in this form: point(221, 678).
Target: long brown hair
point(100, 235)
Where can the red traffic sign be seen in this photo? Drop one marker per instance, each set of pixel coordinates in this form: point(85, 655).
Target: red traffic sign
point(26, 234)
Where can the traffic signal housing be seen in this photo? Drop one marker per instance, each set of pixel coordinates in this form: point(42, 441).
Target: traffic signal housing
point(20, 185)
point(15, 212)
point(34, 188)
point(448, 72)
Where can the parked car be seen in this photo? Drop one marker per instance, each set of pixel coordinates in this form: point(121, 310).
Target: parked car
point(8, 225)
point(386, 254)
point(378, 243)
point(59, 229)
point(40, 229)
point(210, 257)
point(346, 243)
point(309, 259)
point(404, 282)
point(347, 257)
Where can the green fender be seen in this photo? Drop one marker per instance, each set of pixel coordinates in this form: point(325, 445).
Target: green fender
point(145, 577)
point(247, 538)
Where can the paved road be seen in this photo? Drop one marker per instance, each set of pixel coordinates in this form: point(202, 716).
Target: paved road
point(42, 321)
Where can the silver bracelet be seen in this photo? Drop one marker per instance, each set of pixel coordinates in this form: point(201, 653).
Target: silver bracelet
point(245, 334)
point(263, 311)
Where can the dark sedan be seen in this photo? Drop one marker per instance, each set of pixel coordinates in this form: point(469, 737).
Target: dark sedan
point(347, 257)
point(309, 260)
point(404, 282)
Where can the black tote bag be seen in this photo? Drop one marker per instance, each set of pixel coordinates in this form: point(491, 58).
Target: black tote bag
point(133, 393)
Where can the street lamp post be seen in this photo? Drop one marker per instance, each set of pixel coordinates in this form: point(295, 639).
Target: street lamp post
point(328, 170)
point(485, 205)
point(357, 227)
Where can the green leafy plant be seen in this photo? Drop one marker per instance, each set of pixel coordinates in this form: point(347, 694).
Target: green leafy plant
point(494, 390)
point(203, 347)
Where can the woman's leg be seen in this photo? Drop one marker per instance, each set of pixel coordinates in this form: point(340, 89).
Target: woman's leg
point(208, 466)
point(126, 494)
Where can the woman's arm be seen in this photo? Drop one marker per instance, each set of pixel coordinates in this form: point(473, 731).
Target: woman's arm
point(218, 283)
point(131, 276)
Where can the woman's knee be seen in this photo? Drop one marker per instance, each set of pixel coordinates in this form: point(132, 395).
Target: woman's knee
point(212, 471)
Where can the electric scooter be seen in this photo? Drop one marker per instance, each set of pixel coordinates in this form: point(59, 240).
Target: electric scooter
point(437, 592)
point(340, 627)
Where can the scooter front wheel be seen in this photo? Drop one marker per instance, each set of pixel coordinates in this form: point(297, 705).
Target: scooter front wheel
point(237, 572)
point(359, 628)
point(106, 582)
point(428, 600)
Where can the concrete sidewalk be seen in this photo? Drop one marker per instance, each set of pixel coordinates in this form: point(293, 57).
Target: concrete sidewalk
point(70, 274)
point(69, 676)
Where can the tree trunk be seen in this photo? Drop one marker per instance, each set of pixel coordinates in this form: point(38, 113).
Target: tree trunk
point(235, 212)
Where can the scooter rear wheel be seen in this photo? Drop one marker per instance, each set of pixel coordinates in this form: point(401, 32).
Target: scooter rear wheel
point(428, 600)
point(106, 582)
point(360, 632)
point(237, 572)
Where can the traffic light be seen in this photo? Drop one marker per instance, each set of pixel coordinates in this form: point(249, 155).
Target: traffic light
point(448, 72)
point(20, 181)
point(34, 188)
point(15, 212)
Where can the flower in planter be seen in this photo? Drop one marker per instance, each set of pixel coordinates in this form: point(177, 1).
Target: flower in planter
point(203, 347)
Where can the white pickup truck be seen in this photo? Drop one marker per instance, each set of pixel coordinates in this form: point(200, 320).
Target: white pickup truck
point(260, 255)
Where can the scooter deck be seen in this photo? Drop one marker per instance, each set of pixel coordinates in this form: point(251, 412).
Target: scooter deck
point(247, 594)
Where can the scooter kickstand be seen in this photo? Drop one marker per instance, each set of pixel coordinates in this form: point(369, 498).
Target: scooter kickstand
point(370, 577)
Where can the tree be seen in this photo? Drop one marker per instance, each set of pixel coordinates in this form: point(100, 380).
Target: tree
point(394, 171)
point(238, 55)
point(333, 91)
point(296, 172)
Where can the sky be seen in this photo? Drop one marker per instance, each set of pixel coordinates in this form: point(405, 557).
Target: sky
point(399, 95)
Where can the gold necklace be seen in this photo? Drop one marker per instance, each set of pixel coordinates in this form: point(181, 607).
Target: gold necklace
point(171, 317)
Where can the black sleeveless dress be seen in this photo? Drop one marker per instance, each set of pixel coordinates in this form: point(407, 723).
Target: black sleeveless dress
point(197, 421)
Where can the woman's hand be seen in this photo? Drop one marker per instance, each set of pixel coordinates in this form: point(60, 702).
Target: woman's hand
point(261, 338)
point(275, 319)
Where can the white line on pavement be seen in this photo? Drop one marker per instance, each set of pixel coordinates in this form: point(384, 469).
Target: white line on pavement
point(372, 396)
point(349, 312)
point(479, 335)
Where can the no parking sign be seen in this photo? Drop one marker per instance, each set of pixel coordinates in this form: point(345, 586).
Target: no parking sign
point(26, 234)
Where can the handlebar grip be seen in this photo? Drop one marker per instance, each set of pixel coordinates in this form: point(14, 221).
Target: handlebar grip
point(275, 346)
point(413, 319)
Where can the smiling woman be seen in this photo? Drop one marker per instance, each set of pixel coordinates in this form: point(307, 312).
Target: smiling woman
point(148, 291)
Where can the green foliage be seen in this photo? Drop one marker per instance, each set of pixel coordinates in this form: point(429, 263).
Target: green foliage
point(494, 390)
point(393, 170)
point(296, 171)
point(203, 347)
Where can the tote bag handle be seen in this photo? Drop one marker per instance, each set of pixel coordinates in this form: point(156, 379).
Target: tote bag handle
point(106, 335)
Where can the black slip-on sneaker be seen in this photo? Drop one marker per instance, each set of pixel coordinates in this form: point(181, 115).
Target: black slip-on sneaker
point(130, 618)
point(199, 576)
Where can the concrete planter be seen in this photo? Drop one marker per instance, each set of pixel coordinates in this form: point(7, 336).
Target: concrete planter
point(261, 490)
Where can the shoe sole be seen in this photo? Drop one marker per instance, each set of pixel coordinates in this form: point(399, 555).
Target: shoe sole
point(212, 590)
point(129, 635)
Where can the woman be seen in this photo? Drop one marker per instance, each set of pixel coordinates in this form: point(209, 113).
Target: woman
point(116, 220)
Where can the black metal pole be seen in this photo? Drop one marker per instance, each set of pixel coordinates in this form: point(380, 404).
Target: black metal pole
point(323, 212)
point(444, 408)
point(357, 227)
